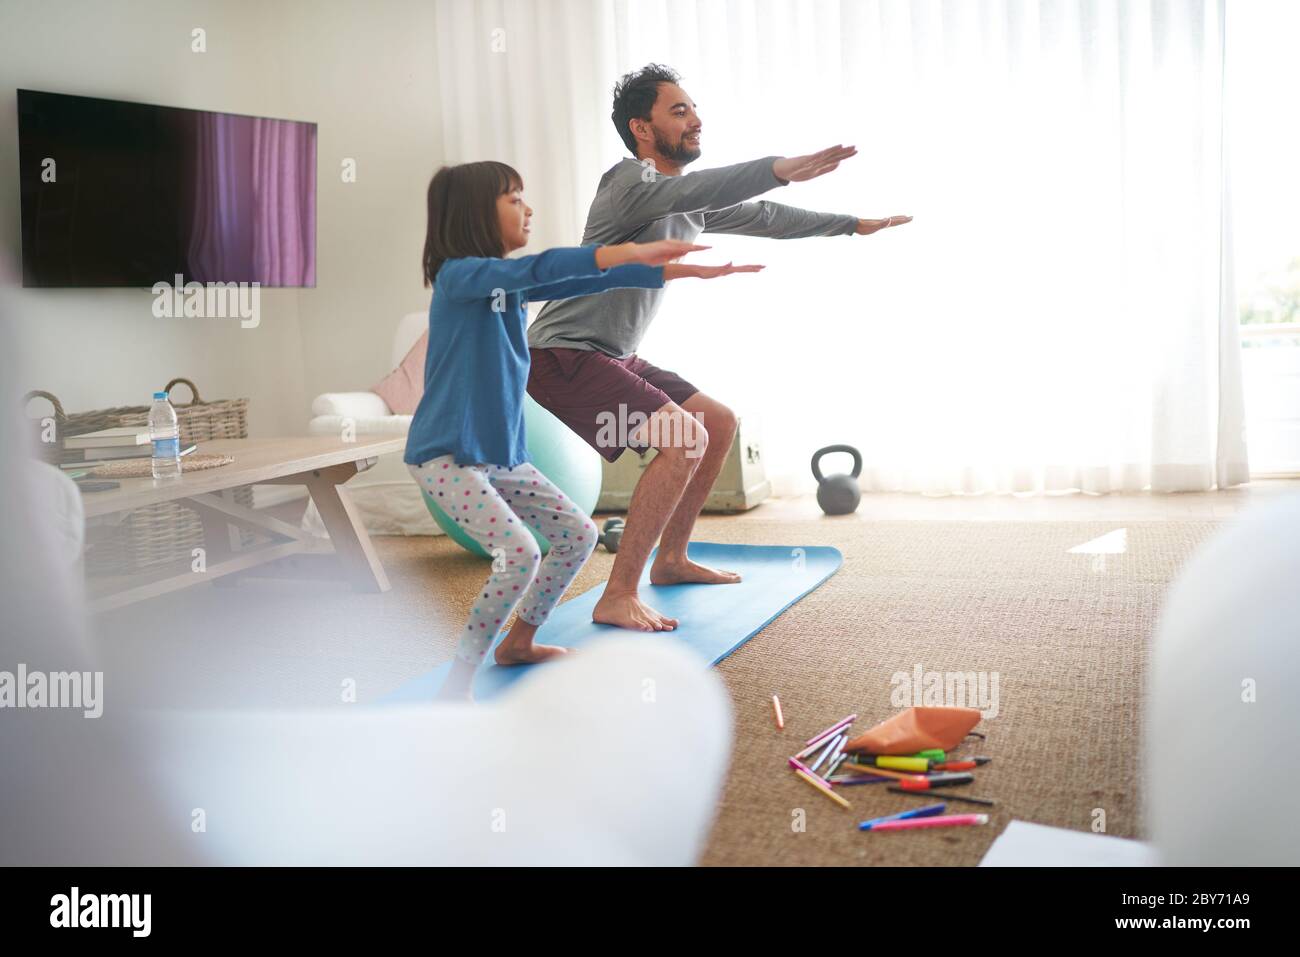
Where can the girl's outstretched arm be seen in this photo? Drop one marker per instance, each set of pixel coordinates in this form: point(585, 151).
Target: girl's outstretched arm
point(626, 265)
point(623, 277)
point(483, 277)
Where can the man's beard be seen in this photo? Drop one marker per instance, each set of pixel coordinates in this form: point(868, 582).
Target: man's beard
point(681, 153)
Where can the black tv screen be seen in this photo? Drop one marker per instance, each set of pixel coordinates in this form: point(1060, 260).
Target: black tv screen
point(127, 194)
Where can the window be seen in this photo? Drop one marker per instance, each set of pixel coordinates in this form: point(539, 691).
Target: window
point(1262, 87)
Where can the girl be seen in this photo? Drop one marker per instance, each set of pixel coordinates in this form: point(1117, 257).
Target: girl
point(466, 443)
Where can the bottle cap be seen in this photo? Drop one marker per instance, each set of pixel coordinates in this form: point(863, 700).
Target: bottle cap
point(160, 395)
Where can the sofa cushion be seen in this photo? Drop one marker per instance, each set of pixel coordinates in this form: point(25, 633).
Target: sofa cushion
point(355, 405)
point(402, 387)
point(361, 425)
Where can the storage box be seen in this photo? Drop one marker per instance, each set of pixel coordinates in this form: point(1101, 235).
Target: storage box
point(741, 484)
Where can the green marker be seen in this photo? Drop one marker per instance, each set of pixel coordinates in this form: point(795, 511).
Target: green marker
point(933, 754)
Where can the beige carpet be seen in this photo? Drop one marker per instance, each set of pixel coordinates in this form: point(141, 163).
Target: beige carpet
point(1066, 633)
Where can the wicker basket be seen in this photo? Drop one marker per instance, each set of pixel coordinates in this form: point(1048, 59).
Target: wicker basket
point(156, 534)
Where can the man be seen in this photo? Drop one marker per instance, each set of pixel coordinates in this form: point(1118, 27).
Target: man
point(584, 364)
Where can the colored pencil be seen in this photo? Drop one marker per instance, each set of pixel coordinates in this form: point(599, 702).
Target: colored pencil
point(780, 718)
point(830, 794)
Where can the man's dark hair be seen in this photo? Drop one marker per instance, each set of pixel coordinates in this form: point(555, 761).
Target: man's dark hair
point(635, 93)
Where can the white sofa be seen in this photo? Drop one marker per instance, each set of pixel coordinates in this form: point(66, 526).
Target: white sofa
point(389, 500)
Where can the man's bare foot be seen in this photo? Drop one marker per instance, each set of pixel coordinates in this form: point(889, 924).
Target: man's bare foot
point(683, 571)
point(529, 654)
point(626, 610)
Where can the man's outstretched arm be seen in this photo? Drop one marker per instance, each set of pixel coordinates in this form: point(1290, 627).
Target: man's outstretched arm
point(653, 195)
point(775, 221)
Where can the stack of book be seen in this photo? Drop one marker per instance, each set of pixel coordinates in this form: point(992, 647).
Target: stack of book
point(108, 445)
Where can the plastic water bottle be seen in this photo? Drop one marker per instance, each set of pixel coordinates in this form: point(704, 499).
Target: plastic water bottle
point(166, 438)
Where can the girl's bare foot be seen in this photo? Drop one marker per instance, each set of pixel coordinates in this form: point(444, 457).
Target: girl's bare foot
point(530, 654)
point(682, 571)
point(626, 610)
point(448, 695)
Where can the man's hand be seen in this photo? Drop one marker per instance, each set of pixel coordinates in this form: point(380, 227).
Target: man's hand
point(868, 226)
point(686, 271)
point(656, 253)
point(797, 169)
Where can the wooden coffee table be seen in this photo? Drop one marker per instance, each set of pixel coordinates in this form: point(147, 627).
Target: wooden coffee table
point(321, 463)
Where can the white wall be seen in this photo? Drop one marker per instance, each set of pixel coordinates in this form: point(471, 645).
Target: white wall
point(363, 72)
point(366, 73)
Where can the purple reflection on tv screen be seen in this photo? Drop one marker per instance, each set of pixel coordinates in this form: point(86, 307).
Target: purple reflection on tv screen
point(126, 194)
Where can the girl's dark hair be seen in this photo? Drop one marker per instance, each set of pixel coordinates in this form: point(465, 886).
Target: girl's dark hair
point(463, 218)
point(635, 94)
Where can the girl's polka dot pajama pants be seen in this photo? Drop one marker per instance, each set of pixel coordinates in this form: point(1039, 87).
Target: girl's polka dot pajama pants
point(492, 504)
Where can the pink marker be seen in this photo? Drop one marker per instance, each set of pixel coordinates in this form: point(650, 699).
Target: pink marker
point(832, 729)
point(950, 820)
point(800, 766)
point(819, 740)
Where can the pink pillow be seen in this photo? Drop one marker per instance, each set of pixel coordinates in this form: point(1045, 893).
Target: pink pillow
point(402, 387)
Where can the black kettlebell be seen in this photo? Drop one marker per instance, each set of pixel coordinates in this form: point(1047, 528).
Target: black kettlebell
point(611, 533)
point(838, 494)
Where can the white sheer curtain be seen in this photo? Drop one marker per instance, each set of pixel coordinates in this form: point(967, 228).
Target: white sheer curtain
point(1059, 315)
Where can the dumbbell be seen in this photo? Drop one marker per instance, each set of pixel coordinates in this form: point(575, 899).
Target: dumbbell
point(611, 533)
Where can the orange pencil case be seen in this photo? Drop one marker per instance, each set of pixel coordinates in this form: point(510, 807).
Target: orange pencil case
point(917, 729)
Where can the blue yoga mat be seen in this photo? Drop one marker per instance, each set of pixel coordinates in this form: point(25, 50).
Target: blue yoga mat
point(715, 620)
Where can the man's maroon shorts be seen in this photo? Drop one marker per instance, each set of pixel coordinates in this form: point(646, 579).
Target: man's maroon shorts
point(588, 391)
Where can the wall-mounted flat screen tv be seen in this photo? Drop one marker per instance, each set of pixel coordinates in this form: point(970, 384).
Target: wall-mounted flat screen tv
point(128, 194)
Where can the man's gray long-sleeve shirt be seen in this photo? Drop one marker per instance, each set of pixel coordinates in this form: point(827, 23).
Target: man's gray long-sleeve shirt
point(636, 204)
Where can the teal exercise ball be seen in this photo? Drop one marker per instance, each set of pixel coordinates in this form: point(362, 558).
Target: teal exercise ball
point(555, 451)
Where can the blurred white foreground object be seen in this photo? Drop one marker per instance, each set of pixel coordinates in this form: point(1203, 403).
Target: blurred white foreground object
point(1224, 713)
point(615, 757)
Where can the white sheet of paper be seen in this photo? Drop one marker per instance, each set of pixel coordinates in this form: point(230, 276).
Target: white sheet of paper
point(1024, 844)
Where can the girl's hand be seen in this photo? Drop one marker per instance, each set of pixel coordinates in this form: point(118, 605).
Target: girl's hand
point(650, 254)
point(683, 271)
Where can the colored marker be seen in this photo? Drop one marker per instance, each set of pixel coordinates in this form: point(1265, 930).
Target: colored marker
point(947, 797)
point(817, 744)
point(930, 810)
point(837, 726)
point(835, 765)
point(839, 748)
point(951, 820)
point(933, 754)
point(800, 766)
point(962, 764)
point(938, 781)
point(895, 763)
point(848, 780)
point(780, 718)
point(826, 753)
point(830, 794)
point(880, 772)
